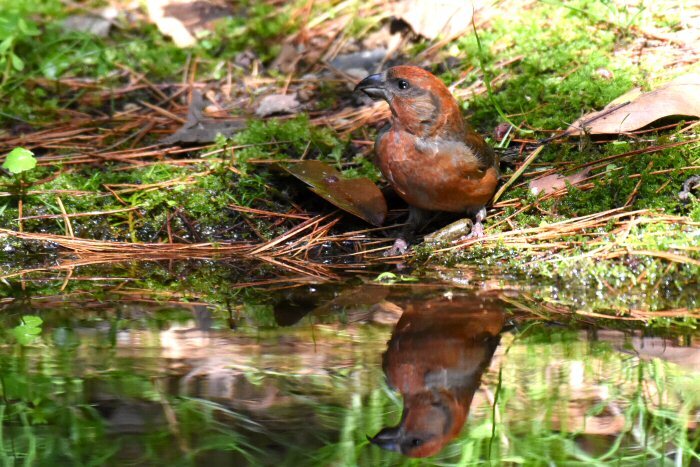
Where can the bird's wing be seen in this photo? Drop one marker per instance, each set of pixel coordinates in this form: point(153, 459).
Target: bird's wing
point(470, 158)
point(480, 150)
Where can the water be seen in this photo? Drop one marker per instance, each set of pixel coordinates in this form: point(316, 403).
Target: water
point(117, 373)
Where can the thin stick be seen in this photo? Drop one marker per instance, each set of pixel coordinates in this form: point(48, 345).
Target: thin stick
point(65, 215)
point(66, 220)
point(19, 215)
point(518, 172)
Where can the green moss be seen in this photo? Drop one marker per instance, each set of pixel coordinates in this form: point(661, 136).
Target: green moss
point(254, 28)
point(562, 45)
point(55, 54)
point(555, 81)
point(193, 200)
point(284, 139)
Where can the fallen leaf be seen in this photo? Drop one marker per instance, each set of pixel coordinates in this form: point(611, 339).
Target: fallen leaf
point(199, 129)
point(184, 20)
point(635, 109)
point(552, 183)
point(386, 313)
point(358, 196)
point(287, 58)
point(690, 185)
point(277, 104)
point(302, 49)
point(501, 131)
point(433, 18)
point(95, 24)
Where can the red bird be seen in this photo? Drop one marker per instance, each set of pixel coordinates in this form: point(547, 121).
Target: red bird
point(436, 356)
point(429, 155)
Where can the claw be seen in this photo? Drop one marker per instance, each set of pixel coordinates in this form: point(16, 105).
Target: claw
point(477, 231)
point(478, 227)
point(400, 247)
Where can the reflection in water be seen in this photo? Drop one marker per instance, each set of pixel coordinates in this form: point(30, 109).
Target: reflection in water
point(435, 359)
point(128, 379)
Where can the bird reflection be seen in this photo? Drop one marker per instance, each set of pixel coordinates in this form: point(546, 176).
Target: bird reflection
point(435, 359)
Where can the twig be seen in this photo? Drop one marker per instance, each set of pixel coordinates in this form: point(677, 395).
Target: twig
point(64, 214)
point(517, 173)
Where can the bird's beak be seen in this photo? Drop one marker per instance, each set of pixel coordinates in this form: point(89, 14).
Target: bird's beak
point(373, 86)
point(387, 439)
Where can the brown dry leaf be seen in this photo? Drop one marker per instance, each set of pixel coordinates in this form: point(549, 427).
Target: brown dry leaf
point(433, 18)
point(358, 196)
point(634, 110)
point(183, 20)
point(551, 183)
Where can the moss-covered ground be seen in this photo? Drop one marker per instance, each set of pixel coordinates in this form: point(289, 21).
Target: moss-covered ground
point(84, 106)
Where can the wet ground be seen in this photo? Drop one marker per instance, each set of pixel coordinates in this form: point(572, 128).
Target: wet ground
point(352, 373)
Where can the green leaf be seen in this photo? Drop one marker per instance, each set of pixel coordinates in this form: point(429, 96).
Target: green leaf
point(386, 277)
point(26, 334)
point(29, 330)
point(19, 160)
point(32, 321)
point(6, 44)
point(22, 26)
point(27, 28)
point(17, 63)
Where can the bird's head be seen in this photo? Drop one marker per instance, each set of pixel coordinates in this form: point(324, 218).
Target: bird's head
point(430, 420)
point(420, 103)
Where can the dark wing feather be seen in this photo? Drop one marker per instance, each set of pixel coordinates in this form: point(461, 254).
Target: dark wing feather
point(485, 155)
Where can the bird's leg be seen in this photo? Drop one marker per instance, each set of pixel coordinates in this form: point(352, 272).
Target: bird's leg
point(399, 247)
point(416, 218)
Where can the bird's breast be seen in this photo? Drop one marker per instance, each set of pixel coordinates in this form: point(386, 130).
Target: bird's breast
point(435, 174)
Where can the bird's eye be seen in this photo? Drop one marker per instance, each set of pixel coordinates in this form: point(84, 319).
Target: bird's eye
point(403, 84)
point(416, 442)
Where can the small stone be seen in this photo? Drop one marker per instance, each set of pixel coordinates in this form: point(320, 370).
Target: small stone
point(276, 104)
point(89, 24)
point(604, 74)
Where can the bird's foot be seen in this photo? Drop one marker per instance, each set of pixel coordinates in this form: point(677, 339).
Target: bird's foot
point(477, 231)
point(478, 227)
point(399, 247)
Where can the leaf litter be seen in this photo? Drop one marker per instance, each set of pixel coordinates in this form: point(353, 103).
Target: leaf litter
point(358, 196)
point(635, 109)
point(552, 183)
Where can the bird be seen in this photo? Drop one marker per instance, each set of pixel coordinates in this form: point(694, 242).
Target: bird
point(429, 155)
point(435, 358)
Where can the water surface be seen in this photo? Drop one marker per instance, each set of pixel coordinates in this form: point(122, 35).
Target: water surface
point(120, 374)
